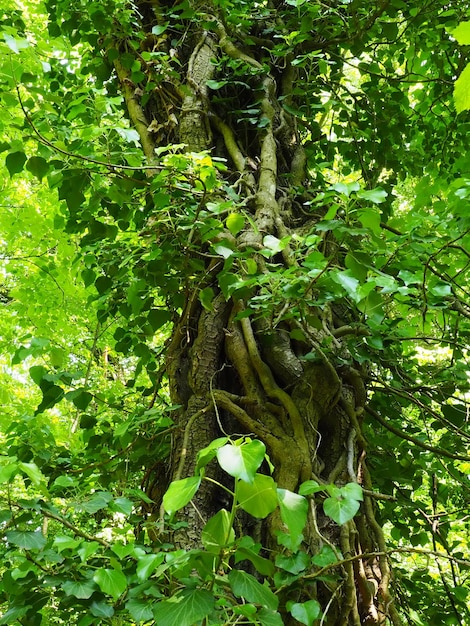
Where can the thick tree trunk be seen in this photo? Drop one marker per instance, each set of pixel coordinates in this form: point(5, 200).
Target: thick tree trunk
point(234, 369)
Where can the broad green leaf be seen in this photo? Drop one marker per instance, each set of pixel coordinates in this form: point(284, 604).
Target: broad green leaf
point(293, 563)
point(349, 283)
point(262, 565)
point(294, 510)
point(38, 166)
point(185, 609)
point(352, 491)
point(64, 542)
point(208, 453)
point(15, 162)
point(206, 296)
point(180, 492)
point(15, 43)
point(218, 532)
point(33, 472)
point(83, 589)
point(101, 609)
point(462, 91)
point(140, 610)
point(305, 612)
point(326, 556)
point(310, 486)
point(29, 540)
point(377, 195)
point(242, 461)
point(235, 223)
point(247, 587)
point(341, 510)
point(258, 498)
point(98, 501)
point(111, 582)
point(462, 33)
point(147, 564)
point(122, 505)
point(346, 188)
point(268, 617)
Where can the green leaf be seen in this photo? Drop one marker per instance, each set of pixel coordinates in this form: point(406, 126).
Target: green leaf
point(15, 162)
point(377, 195)
point(206, 296)
point(268, 617)
point(462, 91)
point(242, 461)
point(98, 501)
point(180, 492)
point(310, 486)
point(262, 565)
point(111, 582)
point(305, 612)
point(15, 43)
point(462, 33)
point(235, 223)
point(101, 609)
point(346, 188)
point(83, 589)
point(326, 556)
point(258, 498)
point(340, 510)
point(348, 282)
point(247, 587)
point(294, 510)
point(33, 472)
point(147, 564)
point(185, 609)
point(218, 532)
point(159, 29)
point(293, 563)
point(140, 610)
point(29, 540)
point(37, 166)
point(64, 542)
point(208, 453)
point(352, 491)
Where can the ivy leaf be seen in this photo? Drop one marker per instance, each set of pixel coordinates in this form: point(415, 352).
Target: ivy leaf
point(242, 461)
point(206, 455)
point(111, 582)
point(184, 609)
point(268, 617)
point(341, 510)
point(294, 510)
point(258, 498)
point(147, 564)
point(82, 589)
point(29, 540)
point(305, 612)
point(180, 492)
point(218, 532)
point(247, 587)
point(140, 610)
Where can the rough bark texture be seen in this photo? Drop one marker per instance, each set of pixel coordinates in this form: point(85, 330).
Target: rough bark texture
point(232, 372)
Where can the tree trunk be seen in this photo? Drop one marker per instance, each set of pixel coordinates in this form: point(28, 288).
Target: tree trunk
point(279, 371)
